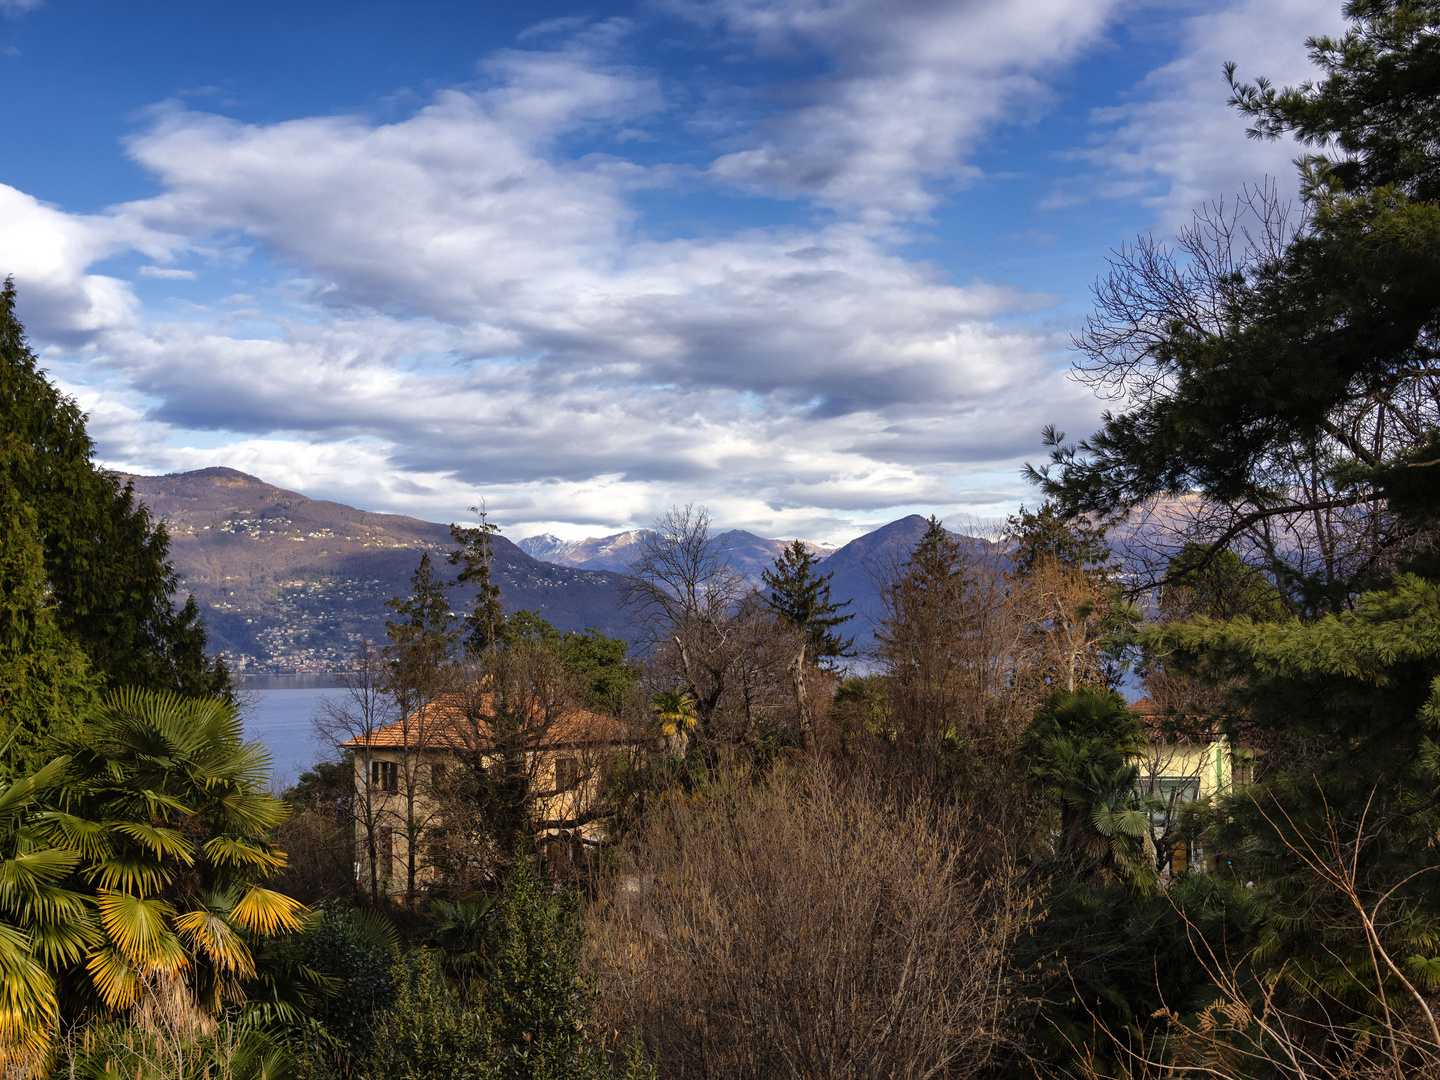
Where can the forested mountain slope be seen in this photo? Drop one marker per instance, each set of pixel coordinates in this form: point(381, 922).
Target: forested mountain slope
point(286, 581)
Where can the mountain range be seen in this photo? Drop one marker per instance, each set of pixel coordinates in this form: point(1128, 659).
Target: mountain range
point(290, 583)
point(747, 552)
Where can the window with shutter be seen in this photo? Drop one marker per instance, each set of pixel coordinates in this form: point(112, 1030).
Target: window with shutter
point(385, 775)
point(567, 774)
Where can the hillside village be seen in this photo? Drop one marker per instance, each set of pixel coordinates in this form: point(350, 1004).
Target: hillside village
point(275, 606)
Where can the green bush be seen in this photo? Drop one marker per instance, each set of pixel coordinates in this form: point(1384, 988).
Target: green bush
point(531, 1019)
point(429, 1033)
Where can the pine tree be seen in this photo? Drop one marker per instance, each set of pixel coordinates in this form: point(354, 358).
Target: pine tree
point(801, 598)
point(1289, 382)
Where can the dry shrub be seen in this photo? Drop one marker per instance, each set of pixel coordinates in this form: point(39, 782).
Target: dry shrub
point(800, 927)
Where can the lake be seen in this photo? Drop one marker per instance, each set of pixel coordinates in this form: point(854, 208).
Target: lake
point(278, 713)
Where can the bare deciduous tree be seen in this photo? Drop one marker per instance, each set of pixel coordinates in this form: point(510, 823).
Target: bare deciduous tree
point(524, 763)
point(348, 724)
point(685, 592)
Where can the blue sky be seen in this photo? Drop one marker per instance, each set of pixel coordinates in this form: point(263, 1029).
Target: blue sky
point(812, 263)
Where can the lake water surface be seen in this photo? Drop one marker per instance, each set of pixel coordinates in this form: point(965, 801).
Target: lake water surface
point(279, 714)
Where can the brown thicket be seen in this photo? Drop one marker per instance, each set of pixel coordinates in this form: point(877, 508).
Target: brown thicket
point(799, 926)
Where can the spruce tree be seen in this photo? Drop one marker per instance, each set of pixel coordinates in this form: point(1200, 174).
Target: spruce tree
point(801, 597)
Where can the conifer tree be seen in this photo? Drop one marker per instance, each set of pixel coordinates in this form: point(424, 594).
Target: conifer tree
point(106, 561)
point(476, 559)
point(45, 681)
point(1290, 383)
point(420, 652)
point(801, 597)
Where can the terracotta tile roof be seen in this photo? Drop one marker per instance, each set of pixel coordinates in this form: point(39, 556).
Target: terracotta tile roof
point(462, 722)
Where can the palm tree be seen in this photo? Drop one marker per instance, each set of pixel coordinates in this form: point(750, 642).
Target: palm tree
point(43, 926)
point(464, 934)
point(675, 713)
point(167, 807)
point(1085, 747)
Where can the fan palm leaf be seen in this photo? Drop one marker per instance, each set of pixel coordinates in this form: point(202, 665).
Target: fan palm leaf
point(41, 923)
point(238, 851)
point(160, 841)
point(131, 872)
point(264, 911)
point(29, 1009)
point(114, 978)
point(675, 711)
point(140, 929)
point(210, 934)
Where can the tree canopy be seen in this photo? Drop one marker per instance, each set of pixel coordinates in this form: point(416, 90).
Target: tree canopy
point(88, 586)
point(1283, 367)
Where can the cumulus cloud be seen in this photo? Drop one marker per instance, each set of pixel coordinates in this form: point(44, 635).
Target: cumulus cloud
point(575, 348)
point(911, 88)
point(49, 252)
point(467, 306)
point(1177, 144)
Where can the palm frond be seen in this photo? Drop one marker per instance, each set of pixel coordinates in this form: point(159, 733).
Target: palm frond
point(23, 874)
point(375, 929)
point(91, 839)
point(264, 911)
point(160, 840)
point(115, 978)
point(29, 1011)
point(215, 939)
point(129, 873)
point(138, 928)
point(67, 932)
point(245, 811)
point(26, 789)
point(235, 851)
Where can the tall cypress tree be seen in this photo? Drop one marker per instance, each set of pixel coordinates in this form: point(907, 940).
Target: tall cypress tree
point(45, 682)
point(105, 562)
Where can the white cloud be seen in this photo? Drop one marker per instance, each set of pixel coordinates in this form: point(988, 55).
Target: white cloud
point(1178, 145)
point(48, 251)
point(913, 86)
point(467, 309)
